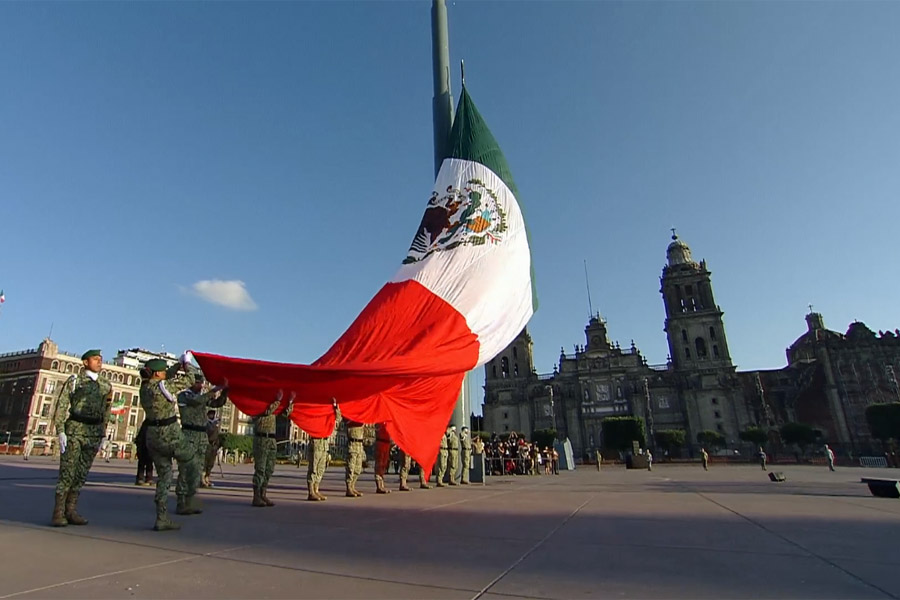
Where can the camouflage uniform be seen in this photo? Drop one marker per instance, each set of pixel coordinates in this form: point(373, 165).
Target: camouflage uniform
point(453, 442)
point(443, 457)
point(382, 457)
point(82, 411)
point(317, 459)
point(264, 449)
point(192, 409)
point(165, 441)
point(355, 456)
point(466, 455)
point(405, 464)
point(212, 448)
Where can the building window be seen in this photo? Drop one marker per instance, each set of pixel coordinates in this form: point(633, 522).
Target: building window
point(129, 435)
point(712, 333)
point(715, 400)
point(515, 352)
point(700, 344)
point(719, 427)
point(132, 420)
point(45, 410)
point(504, 367)
point(715, 351)
point(134, 400)
point(505, 415)
point(687, 352)
point(718, 414)
point(663, 403)
point(493, 370)
point(684, 335)
point(69, 368)
point(42, 429)
point(54, 366)
point(506, 428)
point(516, 369)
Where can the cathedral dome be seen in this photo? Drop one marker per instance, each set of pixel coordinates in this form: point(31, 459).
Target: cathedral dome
point(678, 253)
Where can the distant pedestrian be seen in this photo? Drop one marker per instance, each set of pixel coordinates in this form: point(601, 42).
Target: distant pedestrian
point(28, 442)
point(599, 459)
point(704, 456)
point(649, 460)
point(762, 458)
point(829, 456)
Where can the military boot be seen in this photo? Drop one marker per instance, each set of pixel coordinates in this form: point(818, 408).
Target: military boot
point(404, 487)
point(355, 491)
point(139, 481)
point(312, 493)
point(72, 515)
point(193, 504)
point(181, 507)
point(163, 523)
point(319, 495)
point(350, 493)
point(264, 497)
point(257, 500)
point(59, 516)
point(379, 485)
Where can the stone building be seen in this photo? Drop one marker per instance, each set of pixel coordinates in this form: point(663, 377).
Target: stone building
point(829, 380)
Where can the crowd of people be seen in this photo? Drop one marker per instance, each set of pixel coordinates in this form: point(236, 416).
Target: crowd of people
point(517, 456)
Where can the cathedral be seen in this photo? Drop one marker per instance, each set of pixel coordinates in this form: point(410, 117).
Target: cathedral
point(829, 380)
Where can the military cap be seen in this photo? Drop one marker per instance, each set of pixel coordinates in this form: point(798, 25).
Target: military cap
point(199, 378)
point(155, 364)
point(90, 353)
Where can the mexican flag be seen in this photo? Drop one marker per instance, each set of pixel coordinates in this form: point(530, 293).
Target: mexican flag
point(463, 292)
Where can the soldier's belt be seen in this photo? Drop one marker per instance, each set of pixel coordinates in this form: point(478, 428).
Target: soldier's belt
point(200, 428)
point(86, 420)
point(352, 440)
point(261, 434)
point(162, 422)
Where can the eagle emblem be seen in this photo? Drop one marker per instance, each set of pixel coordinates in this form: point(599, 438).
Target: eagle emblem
point(469, 216)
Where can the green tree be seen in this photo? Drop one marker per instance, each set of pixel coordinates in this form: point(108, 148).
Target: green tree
point(544, 437)
point(620, 432)
point(755, 435)
point(237, 443)
point(670, 439)
point(884, 420)
point(711, 439)
point(800, 434)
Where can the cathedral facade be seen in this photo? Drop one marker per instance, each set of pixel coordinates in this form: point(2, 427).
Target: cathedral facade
point(829, 380)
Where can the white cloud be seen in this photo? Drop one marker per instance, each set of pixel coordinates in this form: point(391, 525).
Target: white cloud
point(230, 294)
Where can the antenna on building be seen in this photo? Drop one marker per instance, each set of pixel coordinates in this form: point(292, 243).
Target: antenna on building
point(588, 285)
point(50, 335)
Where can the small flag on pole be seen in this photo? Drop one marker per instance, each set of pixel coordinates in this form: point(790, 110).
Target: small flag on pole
point(2, 297)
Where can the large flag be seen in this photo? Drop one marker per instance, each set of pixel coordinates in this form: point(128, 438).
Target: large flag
point(464, 291)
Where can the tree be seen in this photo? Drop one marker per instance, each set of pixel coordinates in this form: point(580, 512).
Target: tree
point(884, 420)
point(711, 439)
point(620, 432)
point(755, 435)
point(237, 443)
point(544, 437)
point(670, 440)
point(800, 434)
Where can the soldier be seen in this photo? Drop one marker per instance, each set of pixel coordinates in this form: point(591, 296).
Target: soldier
point(213, 442)
point(599, 459)
point(423, 478)
point(355, 456)
point(264, 449)
point(405, 463)
point(443, 457)
point(704, 456)
point(382, 457)
point(82, 411)
point(191, 407)
point(829, 456)
point(317, 460)
point(164, 438)
point(762, 458)
point(466, 442)
point(453, 446)
point(145, 462)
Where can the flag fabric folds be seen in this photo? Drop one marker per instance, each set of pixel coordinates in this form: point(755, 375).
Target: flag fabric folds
point(463, 292)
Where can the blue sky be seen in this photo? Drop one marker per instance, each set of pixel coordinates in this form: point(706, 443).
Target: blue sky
point(146, 147)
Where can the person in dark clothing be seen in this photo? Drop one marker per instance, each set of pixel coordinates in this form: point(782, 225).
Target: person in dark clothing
point(145, 463)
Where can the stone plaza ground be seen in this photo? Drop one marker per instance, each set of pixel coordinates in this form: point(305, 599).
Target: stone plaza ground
point(675, 532)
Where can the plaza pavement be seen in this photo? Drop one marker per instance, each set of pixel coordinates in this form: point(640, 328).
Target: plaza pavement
point(675, 532)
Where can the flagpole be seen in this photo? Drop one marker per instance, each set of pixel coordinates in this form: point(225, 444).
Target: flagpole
point(442, 118)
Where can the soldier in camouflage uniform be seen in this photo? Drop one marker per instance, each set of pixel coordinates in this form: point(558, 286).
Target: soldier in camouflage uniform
point(453, 443)
point(465, 441)
point(382, 457)
point(443, 457)
point(317, 459)
point(212, 447)
point(192, 404)
point(405, 464)
point(264, 449)
point(81, 413)
point(164, 438)
point(355, 456)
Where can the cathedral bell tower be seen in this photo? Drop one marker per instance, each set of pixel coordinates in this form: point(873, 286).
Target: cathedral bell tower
point(694, 325)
